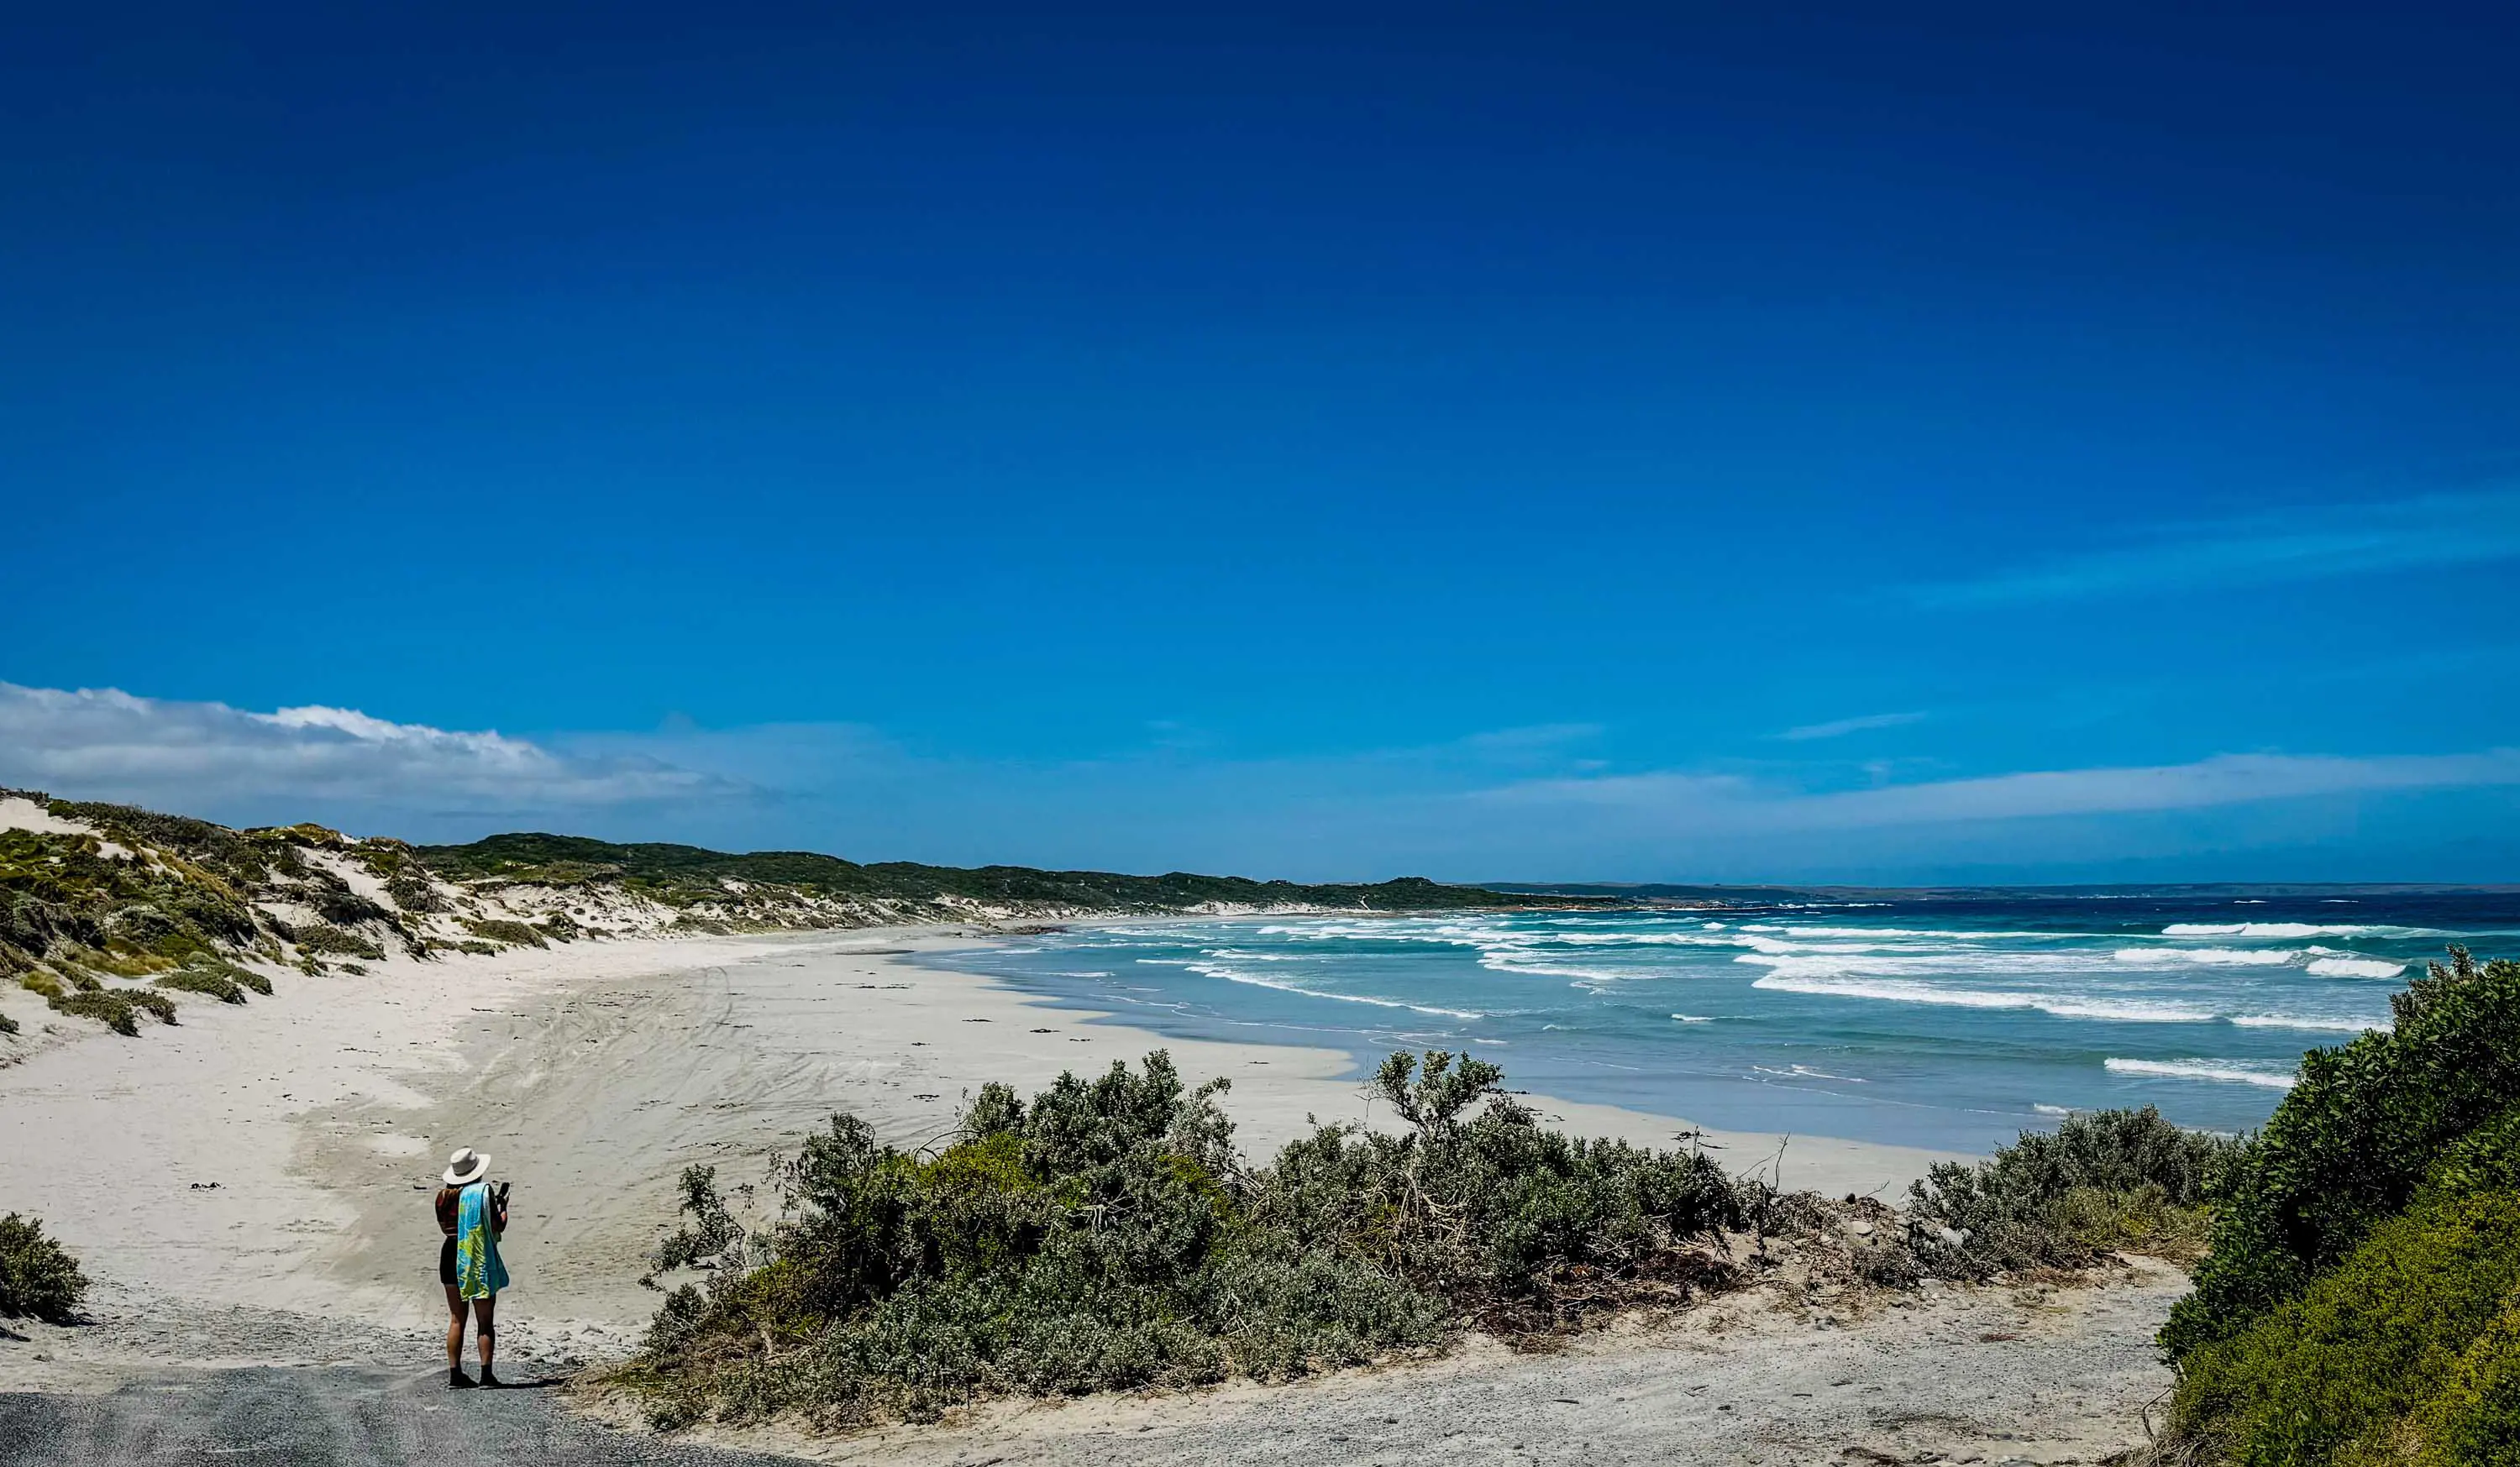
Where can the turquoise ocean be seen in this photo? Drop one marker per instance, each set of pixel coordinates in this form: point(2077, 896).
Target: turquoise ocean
point(1949, 1022)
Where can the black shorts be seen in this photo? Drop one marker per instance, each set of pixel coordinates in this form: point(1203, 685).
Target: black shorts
point(446, 1262)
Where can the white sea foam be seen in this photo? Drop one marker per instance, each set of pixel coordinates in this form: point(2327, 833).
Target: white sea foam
point(1910, 990)
point(1693, 1018)
point(2054, 1110)
point(1944, 934)
point(2356, 967)
point(1236, 975)
point(1505, 962)
point(2293, 929)
point(2226, 1071)
point(2239, 958)
point(2303, 1021)
point(1805, 1072)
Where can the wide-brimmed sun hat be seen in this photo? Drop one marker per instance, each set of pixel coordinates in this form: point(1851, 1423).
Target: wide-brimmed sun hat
point(467, 1166)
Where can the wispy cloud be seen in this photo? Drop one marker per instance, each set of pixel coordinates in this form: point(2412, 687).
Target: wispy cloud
point(105, 743)
point(1704, 801)
point(2313, 543)
point(1840, 727)
point(1508, 803)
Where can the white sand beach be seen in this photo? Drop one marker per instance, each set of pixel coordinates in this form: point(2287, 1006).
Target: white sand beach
point(278, 1154)
point(252, 1185)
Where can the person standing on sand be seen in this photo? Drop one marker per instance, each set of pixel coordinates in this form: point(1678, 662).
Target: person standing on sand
point(471, 1214)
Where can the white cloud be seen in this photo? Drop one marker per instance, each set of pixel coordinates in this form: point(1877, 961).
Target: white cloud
point(1510, 804)
point(1734, 802)
point(107, 744)
point(2313, 543)
point(1840, 727)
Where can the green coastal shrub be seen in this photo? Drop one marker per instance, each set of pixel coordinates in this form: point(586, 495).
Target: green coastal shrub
point(2104, 1181)
point(1476, 1202)
point(38, 1280)
point(113, 1010)
point(504, 930)
point(1105, 1235)
point(2474, 1419)
point(338, 941)
point(2404, 1350)
point(205, 983)
point(2349, 1147)
point(8, 1025)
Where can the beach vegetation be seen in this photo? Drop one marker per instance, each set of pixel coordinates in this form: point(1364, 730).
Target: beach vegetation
point(337, 941)
point(690, 876)
point(506, 931)
point(2409, 1350)
point(115, 1011)
point(38, 1278)
point(2357, 1307)
point(2104, 1181)
point(413, 891)
point(1105, 1234)
point(205, 982)
point(2353, 1141)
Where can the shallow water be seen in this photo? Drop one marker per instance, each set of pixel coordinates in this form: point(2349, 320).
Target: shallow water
point(1949, 1023)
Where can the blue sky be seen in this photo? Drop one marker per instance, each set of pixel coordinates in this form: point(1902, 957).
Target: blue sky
point(1654, 443)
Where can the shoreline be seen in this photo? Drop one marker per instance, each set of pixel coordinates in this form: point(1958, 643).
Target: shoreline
point(277, 1156)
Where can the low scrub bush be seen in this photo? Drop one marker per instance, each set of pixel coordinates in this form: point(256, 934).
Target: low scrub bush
point(412, 891)
point(1477, 1202)
point(208, 984)
point(2354, 1140)
point(2408, 1351)
point(2104, 1181)
point(504, 930)
point(1106, 1235)
point(113, 1010)
point(8, 1025)
point(338, 941)
point(38, 1280)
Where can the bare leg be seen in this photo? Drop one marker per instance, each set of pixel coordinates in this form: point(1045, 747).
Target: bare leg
point(485, 1315)
point(455, 1375)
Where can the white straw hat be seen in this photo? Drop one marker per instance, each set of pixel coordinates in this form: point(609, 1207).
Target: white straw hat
point(467, 1166)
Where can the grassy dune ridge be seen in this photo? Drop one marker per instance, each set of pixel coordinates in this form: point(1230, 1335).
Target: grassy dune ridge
point(117, 914)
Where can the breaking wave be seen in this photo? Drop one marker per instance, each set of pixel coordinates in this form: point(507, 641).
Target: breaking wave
point(2224, 1071)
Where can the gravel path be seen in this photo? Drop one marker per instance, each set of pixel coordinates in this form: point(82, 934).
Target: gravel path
point(322, 1417)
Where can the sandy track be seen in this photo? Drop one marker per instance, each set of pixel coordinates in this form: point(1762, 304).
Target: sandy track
point(1961, 1376)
